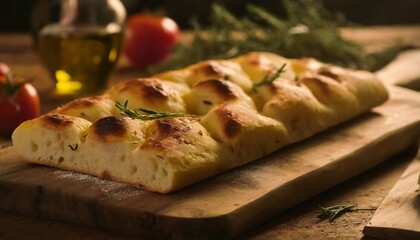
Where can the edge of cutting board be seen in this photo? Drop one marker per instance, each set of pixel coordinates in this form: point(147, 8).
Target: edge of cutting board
point(398, 216)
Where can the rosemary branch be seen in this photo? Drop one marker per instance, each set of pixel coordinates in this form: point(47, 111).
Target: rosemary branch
point(333, 212)
point(268, 79)
point(146, 114)
point(262, 30)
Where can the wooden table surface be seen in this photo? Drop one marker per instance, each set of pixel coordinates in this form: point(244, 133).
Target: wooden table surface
point(367, 189)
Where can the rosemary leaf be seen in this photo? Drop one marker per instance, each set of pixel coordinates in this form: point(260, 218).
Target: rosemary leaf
point(145, 114)
point(229, 36)
point(268, 79)
point(333, 212)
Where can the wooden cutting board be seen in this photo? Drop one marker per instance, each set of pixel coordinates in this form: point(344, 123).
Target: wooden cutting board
point(403, 71)
point(398, 216)
point(224, 205)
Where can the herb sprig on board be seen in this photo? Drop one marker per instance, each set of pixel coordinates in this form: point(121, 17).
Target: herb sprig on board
point(332, 212)
point(307, 31)
point(146, 114)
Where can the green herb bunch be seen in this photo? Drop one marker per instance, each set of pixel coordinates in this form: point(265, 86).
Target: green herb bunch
point(308, 31)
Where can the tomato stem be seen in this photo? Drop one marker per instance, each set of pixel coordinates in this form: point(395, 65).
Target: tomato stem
point(10, 87)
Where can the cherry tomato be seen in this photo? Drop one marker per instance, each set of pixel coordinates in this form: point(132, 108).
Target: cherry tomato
point(19, 101)
point(149, 39)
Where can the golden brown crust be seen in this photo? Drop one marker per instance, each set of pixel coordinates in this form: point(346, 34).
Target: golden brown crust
point(168, 134)
point(320, 81)
point(89, 108)
point(210, 69)
point(258, 65)
point(107, 176)
point(258, 60)
point(221, 88)
point(234, 123)
point(218, 69)
point(83, 103)
point(108, 128)
point(148, 89)
point(230, 121)
point(331, 72)
point(150, 93)
point(56, 121)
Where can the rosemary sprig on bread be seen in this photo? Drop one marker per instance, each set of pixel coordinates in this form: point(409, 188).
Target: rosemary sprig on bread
point(146, 114)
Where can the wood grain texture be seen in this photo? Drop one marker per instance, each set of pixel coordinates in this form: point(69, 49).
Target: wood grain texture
point(224, 205)
point(398, 216)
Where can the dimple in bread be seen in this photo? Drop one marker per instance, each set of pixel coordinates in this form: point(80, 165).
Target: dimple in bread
point(233, 122)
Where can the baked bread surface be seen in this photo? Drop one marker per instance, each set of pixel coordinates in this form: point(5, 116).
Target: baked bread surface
point(232, 122)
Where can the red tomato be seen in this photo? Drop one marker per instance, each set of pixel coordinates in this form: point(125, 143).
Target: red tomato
point(149, 39)
point(18, 102)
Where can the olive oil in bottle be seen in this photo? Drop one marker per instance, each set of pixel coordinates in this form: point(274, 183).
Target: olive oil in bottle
point(79, 60)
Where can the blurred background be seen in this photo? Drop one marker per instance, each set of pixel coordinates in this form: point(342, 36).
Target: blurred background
point(27, 15)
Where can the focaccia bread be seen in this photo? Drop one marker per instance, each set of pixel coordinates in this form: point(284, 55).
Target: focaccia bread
point(232, 118)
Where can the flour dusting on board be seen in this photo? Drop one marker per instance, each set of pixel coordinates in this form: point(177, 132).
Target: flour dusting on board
point(112, 189)
point(242, 177)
